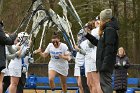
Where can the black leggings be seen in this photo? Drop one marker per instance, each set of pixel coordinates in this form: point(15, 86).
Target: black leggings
point(6, 83)
point(84, 80)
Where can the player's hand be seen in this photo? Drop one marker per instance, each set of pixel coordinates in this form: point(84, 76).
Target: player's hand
point(76, 47)
point(37, 51)
point(18, 46)
point(61, 56)
point(19, 52)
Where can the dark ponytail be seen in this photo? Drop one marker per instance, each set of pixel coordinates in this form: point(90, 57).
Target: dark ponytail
point(55, 35)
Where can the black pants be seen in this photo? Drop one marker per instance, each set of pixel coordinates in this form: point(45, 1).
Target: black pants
point(20, 87)
point(84, 80)
point(21, 83)
point(6, 83)
point(106, 82)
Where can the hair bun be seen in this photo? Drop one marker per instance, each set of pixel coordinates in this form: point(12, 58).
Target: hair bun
point(55, 35)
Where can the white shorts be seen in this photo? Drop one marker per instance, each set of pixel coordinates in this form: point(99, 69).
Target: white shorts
point(77, 70)
point(5, 71)
point(59, 67)
point(15, 72)
point(90, 65)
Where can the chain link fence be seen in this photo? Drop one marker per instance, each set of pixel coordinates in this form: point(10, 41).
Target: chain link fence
point(41, 69)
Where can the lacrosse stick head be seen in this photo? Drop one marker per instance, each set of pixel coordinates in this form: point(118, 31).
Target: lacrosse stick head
point(63, 4)
point(38, 17)
point(53, 16)
point(80, 36)
point(64, 24)
point(36, 4)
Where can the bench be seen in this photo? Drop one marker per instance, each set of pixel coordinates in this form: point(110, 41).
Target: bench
point(133, 82)
point(43, 84)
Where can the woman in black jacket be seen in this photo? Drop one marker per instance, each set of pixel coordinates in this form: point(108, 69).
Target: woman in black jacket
point(107, 47)
point(4, 40)
point(120, 75)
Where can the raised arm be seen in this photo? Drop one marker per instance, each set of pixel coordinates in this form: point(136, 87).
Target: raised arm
point(43, 54)
point(12, 49)
point(92, 39)
point(4, 40)
point(11, 55)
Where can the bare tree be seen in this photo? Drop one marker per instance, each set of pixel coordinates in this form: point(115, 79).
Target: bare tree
point(134, 31)
point(125, 24)
point(137, 31)
point(1, 6)
point(115, 8)
point(114, 5)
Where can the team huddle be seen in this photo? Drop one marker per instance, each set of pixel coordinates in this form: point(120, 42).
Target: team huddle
point(97, 44)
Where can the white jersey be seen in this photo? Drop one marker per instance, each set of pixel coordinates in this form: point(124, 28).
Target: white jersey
point(91, 51)
point(80, 58)
point(7, 52)
point(90, 57)
point(95, 33)
point(15, 65)
point(79, 61)
point(58, 64)
point(17, 62)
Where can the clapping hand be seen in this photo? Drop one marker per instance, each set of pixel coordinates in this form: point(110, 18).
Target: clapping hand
point(124, 63)
point(118, 64)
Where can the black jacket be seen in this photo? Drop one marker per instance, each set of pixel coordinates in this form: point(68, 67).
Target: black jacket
point(4, 41)
point(107, 46)
point(120, 75)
